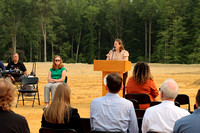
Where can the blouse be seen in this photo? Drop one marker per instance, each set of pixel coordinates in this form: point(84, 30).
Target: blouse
point(123, 55)
point(148, 88)
point(57, 74)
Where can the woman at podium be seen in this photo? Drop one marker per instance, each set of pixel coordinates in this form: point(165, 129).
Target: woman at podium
point(119, 53)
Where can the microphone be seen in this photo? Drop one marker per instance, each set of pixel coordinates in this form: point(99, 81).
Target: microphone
point(113, 49)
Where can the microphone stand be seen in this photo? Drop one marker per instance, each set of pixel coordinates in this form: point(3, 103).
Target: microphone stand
point(113, 52)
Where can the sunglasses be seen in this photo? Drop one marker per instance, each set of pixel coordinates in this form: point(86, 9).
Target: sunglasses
point(57, 60)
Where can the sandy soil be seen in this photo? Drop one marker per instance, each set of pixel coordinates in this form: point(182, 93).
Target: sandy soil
point(86, 85)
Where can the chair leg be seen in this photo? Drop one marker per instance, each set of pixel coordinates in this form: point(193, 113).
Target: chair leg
point(17, 99)
point(38, 98)
point(33, 100)
point(23, 98)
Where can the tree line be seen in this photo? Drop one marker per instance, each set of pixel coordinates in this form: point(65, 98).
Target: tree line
point(162, 31)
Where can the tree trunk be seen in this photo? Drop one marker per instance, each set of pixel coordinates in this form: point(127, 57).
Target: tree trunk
point(40, 43)
point(31, 52)
point(150, 21)
point(99, 46)
point(145, 41)
point(43, 22)
point(14, 40)
point(52, 51)
point(77, 50)
point(72, 48)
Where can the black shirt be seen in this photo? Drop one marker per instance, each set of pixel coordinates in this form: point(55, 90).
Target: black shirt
point(11, 122)
point(13, 66)
point(74, 122)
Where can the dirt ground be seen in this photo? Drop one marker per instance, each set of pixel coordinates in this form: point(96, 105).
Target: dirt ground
point(86, 85)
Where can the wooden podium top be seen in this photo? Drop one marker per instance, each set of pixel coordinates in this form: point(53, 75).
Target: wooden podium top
point(112, 66)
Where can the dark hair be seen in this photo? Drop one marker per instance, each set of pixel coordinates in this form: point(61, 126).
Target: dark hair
point(141, 73)
point(114, 82)
point(198, 97)
point(15, 54)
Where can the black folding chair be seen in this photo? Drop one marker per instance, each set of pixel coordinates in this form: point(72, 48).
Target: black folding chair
point(135, 103)
point(85, 123)
point(139, 121)
point(183, 99)
point(141, 98)
point(50, 130)
point(24, 89)
point(140, 113)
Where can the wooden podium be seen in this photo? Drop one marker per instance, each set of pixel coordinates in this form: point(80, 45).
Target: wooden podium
point(110, 66)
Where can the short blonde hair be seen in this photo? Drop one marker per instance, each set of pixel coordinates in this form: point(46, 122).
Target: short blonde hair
point(7, 95)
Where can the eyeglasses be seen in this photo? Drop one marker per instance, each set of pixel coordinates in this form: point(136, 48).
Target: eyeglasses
point(57, 60)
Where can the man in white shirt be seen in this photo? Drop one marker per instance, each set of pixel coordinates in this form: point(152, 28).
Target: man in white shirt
point(162, 117)
point(112, 113)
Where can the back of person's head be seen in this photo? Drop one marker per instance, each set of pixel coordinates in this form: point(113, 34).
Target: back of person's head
point(141, 72)
point(7, 95)
point(114, 82)
point(170, 89)
point(56, 111)
point(198, 98)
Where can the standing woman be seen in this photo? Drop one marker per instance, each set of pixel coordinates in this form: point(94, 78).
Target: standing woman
point(56, 76)
point(120, 54)
point(142, 82)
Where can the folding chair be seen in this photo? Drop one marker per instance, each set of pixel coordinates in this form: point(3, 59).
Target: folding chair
point(139, 121)
point(140, 113)
point(183, 99)
point(85, 123)
point(26, 82)
point(153, 103)
point(50, 130)
point(141, 98)
point(135, 103)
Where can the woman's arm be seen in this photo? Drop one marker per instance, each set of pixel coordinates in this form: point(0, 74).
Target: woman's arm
point(62, 79)
point(49, 77)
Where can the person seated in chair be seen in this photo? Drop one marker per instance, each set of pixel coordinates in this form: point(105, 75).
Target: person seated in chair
point(16, 65)
point(10, 122)
point(162, 117)
point(59, 114)
point(113, 113)
point(2, 67)
point(190, 123)
point(142, 82)
point(56, 76)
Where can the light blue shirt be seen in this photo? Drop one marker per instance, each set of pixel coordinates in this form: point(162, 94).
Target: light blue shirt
point(188, 124)
point(113, 113)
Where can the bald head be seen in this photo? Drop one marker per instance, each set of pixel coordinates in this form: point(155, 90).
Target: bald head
point(170, 89)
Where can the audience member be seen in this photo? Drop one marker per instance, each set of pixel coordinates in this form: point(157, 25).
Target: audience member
point(112, 112)
point(162, 117)
point(2, 67)
point(10, 122)
point(142, 82)
point(56, 76)
point(59, 114)
point(15, 64)
point(190, 123)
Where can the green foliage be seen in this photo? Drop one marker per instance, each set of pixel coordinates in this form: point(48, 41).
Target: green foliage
point(84, 30)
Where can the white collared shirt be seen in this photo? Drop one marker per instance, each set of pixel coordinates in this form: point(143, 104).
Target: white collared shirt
point(113, 113)
point(162, 117)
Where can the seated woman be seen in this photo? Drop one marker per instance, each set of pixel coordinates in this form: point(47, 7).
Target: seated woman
point(59, 114)
point(10, 122)
point(142, 82)
point(56, 76)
